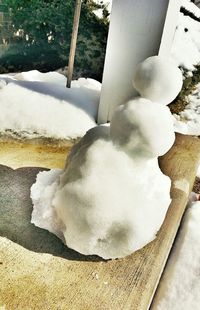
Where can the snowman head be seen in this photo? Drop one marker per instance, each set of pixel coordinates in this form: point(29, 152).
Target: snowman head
point(158, 80)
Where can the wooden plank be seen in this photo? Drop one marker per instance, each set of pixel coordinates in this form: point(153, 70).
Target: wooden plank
point(31, 279)
point(34, 153)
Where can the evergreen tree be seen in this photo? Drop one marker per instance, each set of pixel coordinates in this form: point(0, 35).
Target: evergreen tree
point(40, 37)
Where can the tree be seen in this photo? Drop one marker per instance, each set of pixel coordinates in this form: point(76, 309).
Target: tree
point(41, 34)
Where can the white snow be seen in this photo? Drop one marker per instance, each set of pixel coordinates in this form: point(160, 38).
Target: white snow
point(180, 285)
point(35, 75)
point(186, 45)
point(99, 12)
point(158, 79)
point(186, 53)
point(107, 196)
point(39, 104)
point(188, 121)
point(191, 7)
point(45, 216)
point(132, 130)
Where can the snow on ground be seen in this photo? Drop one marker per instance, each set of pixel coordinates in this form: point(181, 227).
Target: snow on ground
point(180, 284)
point(191, 7)
point(186, 53)
point(38, 104)
point(99, 12)
point(186, 46)
point(188, 121)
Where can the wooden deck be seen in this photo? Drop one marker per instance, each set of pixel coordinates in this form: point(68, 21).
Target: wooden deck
point(64, 279)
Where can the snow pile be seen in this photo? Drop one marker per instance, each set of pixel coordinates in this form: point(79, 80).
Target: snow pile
point(188, 121)
point(106, 3)
point(180, 285)
point(106, 198)
point(38, 104)
point(186, 53)
point(186, 45)
point(35, 75)
point(158, 80)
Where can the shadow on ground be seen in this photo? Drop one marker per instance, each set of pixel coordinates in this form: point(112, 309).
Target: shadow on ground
point(15, 216)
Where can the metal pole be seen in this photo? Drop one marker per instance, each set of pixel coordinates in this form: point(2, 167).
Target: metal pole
point(77, 14)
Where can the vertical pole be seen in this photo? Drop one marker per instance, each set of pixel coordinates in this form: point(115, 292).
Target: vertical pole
point(77, 14)
point(136, 30)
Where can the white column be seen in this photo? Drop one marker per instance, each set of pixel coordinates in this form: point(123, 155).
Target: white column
point(136, 28)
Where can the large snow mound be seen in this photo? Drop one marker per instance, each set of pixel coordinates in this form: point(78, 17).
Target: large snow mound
point(39, 104)
point(158, 80)
point(180, 285)
point(107, 196)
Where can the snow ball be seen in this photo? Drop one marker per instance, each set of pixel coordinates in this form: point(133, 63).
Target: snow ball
point(104, 199)
point(158, 79)
point(143, 128)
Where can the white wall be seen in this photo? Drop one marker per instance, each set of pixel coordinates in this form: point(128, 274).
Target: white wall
point(135, 33)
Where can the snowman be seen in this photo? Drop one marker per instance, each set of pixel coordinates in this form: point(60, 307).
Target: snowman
point(111, 198)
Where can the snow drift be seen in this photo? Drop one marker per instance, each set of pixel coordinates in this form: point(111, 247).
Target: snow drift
point(41, 105)
point(179, 288)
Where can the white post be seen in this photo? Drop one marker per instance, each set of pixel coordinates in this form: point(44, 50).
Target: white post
point(136, 28)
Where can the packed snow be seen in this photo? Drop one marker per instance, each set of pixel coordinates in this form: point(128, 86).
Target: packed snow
point(105, 201)
point(131, 128)
point(158, 80)
point(103, 197)
point(180, 285)
point(41, 105)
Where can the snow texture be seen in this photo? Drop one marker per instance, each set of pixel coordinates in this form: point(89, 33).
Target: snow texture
point(188, 121)
point(41, 105)
point(186, 45)
point(190, 6)
point(136, 134)
point(106, 3)
point(180, 285)
point(186, 53)
point(158, 79)
point(107, 195)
